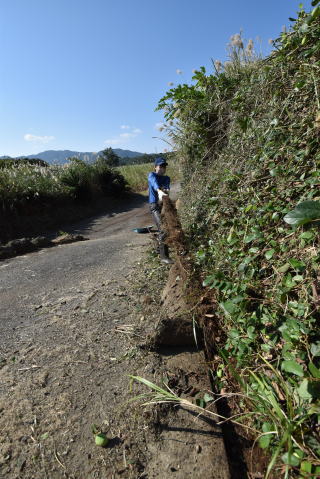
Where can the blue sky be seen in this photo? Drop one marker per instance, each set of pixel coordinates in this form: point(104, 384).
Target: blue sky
point(87, 74)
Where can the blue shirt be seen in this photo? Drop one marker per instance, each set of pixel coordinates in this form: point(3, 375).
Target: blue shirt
point(155, 183)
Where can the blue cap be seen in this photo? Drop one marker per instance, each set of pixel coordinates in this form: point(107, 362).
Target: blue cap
point(160, 161)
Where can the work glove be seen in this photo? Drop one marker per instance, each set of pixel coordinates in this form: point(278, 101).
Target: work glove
point(161, 194)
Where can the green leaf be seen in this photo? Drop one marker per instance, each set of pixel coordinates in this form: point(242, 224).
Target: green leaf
point(229, 307)
point(303, 213)
point(314, 370)
point(251, 237)
point(297, 265)
point(233, 333)
point(309, 390)
point(201, 403)
point(307, 235)
point(306, 466)
point(264, 440)
point(284, 268)
point(315, 12)
point(297, 278)
point(315, 349)
point(288, 282)
point(292, 367)
point(303, 390)
point(208, 280)
point(267, 427)
point(291, 458)
point(314, 388)
point(207, 398)
point(269, 253)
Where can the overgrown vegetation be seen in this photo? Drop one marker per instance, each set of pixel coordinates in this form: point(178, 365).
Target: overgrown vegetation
point(24, 184)
point(248, 141)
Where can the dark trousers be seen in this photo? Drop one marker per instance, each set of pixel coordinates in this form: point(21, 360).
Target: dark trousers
point(156, 213)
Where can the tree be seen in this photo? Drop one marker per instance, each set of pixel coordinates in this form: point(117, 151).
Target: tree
point(109, 157)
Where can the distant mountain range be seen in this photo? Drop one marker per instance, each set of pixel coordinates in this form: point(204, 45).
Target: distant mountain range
point(59, 157)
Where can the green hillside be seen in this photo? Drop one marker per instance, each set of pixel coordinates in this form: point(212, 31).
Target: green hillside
point(248, 140)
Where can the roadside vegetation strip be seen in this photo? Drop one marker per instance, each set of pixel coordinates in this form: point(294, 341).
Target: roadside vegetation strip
point(248, 140)
point(26, 183)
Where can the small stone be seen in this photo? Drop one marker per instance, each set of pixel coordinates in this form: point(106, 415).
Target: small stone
point(198, 448)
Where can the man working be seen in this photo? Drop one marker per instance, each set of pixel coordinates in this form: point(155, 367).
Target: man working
point(159, 186)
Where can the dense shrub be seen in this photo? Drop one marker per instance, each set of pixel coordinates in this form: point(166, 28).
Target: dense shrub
point(28, 184)
point(78, 178)
point(248, 141)
point(109, 180)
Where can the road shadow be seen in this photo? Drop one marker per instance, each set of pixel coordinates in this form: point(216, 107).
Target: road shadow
point(109, 208)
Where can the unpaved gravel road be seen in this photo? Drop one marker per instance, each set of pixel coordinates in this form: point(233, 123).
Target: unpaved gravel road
point(29, 281)
point(70, 328)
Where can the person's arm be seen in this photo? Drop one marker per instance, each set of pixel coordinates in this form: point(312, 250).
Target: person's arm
point(153, 182)
point(166, 185)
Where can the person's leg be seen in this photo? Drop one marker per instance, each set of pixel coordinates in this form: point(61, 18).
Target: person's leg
point(163, 249)
point(156, 213)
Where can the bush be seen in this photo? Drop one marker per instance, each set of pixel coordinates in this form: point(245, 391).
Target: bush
point(108, 180)
point(78, 178)
point(248, 139)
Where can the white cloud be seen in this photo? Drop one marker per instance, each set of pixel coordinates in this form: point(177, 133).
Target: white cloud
point(127, 135)
point(40, 139)
point(124, 137)
point(113, 141)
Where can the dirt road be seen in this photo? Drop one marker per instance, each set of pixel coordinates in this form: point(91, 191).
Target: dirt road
point(71, 321)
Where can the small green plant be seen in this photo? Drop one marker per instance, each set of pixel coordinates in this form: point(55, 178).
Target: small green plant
point(160, 395)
